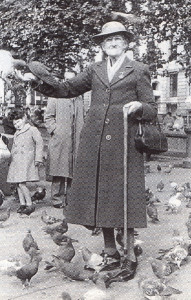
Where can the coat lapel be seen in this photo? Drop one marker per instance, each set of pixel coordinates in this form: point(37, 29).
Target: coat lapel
point(25, 128)
point(125, 69)
point(101, 71)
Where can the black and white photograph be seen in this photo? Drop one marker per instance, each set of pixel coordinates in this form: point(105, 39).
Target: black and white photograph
point(95, 149)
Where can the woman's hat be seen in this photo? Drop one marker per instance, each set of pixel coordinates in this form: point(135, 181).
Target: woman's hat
point(43, 72)
point(112, 28)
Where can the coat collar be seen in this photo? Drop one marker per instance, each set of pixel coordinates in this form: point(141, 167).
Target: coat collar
point(25, 128)
point(125, 69)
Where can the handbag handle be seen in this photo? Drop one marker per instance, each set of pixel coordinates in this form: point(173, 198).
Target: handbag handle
point(140, 130)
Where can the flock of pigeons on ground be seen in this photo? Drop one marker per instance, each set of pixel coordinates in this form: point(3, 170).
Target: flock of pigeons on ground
point(92, 269)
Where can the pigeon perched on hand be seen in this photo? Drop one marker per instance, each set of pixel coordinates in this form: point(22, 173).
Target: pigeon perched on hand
point(48, 220)
point(8, 65)
point(39, 194)
point(4, 216)
point(155, 289)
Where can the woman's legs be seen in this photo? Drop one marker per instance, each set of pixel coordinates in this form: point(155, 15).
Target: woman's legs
point(26, 193)
point(110, 245)
point(109, 241)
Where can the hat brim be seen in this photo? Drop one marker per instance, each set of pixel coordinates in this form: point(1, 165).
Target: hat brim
point(99, 38)
point(41, 71)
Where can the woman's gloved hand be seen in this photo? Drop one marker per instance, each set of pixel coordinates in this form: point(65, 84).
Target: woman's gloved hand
point(132, 107)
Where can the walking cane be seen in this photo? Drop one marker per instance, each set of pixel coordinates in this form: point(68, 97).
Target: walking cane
point(125, 120)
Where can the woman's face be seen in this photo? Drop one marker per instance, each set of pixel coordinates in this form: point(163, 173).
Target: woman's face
point(18, 124)
point(114, 45)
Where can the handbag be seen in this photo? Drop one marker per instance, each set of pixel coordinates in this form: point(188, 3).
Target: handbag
point(150, 138)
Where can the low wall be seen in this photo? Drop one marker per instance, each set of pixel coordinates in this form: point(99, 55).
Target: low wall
point(178, 143)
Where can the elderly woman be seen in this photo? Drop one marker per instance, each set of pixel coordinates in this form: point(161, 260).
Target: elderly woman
point(96, 197)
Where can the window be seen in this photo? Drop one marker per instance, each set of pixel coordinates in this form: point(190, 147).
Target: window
point(173, 84)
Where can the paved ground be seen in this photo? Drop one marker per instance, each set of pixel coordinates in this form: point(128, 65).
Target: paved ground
point(49, 285)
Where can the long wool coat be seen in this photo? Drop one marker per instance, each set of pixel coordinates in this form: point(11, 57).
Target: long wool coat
point(27, 148)
point(97, 193)
point(63, 120)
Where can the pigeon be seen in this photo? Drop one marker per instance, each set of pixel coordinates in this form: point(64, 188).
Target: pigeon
point(96, 294)
point(174, 186)
point(61, 227)
point(28, 210)
point(39, 194)
point(26, 272)
point(162, 269)
point(65, 296)
point(7, 265)
point(152, 212)
point(72, 270)
point(168, 170)
point(159, 168)
point(130, 18)
point(92, 260)
point(58, 238)
point(155, 289)
point(147, 169)
point(174, 203)
point(33, 252)
point(29, 242)
point(153, 199)
point(177, 239)
point(48, 220)
point(66, 251)
point(176, 255)
point(160, 186)
point(188, 224)
point(8, 65)
point(2, 197)
point(4, 216)
point(148, 194)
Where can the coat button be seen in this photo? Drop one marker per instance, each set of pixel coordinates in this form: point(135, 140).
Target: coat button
point(108, 137)
point(107, 90)
point(107, 121)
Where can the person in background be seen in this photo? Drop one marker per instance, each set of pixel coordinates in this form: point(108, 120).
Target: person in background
point(178, 122)
point(96, 197)
point(168, 122)
point(63, 121)
point(8, 126)
point(26, 157)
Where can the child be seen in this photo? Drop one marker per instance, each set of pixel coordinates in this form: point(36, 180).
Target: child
point(27, 156)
